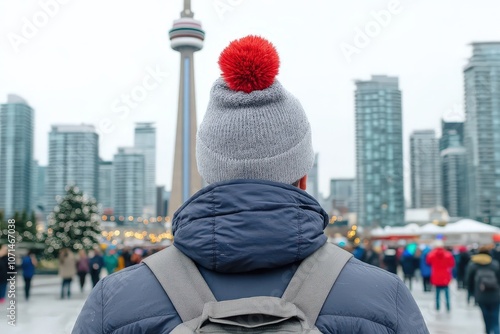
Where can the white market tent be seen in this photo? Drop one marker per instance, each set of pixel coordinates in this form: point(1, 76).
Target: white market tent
point(461, 231)
point(465, 226)
point(431, 229)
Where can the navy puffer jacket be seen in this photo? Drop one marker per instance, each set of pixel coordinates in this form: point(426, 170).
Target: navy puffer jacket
point(247, 238)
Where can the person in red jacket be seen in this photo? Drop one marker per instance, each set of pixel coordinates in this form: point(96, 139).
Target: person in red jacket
point(442, 264)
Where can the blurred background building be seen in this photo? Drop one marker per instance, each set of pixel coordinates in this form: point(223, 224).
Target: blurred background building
point(454, 169)
point(73, 160)
point(128, 178)
point(379, 152)
point(482, 131)
point(145, 140)
point(425, 169)
point(16, 156)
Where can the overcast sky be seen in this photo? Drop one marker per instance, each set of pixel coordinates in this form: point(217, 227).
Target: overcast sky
point(77, 64)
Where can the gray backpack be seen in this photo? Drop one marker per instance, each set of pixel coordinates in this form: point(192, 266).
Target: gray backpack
point(295, 312)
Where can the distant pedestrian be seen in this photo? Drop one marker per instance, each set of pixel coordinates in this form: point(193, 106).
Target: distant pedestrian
point(29, 263)
point(463, 261)
point(3, 272)
point(82, 267)
point(96, 262)
point(67, 270)
point(391, 261)
point(359, 252)
point(425, 269)
point(371, 256)
point(408, 265)
point(137, 256)
point(442, 263)
point(126, 255)
point(111, 261)
point(482, 279)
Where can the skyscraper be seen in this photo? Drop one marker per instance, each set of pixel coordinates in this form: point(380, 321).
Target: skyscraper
point(128, 191)
point(186, 37)
point(106, 185)
point(453, 167)
point(73, 160)
point(312, 180)
point(452, 135)
point(342, 194)
point(16, 156)
point(161, 209)
point(425, 169)
point(145, 140)
point(38, 181)
point(482, 131)
point(379, 152)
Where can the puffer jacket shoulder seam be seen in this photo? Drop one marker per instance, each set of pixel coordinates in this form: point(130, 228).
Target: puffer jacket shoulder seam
point(138, 320)
point(357, 317)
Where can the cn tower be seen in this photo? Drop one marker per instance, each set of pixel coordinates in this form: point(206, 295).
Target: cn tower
point(186, 37)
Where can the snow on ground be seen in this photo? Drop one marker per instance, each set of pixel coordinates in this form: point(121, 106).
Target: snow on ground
point(45, 313)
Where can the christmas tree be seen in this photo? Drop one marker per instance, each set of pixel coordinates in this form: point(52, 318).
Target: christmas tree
point(25, 228)
point(74, 223)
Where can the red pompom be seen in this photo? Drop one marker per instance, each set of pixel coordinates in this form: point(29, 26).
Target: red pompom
point(250, 63)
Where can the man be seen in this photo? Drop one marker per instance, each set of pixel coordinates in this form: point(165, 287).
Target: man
point(482, 280)
point(250, 228)
point(442, 263)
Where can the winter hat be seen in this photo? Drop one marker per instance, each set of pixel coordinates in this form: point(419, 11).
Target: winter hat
point(253, 127)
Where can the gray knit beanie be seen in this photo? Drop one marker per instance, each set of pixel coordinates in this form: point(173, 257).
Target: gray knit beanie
point(253, 127)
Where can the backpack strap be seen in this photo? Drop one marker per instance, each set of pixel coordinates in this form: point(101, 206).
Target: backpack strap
point(313, 280)
point(181, 280)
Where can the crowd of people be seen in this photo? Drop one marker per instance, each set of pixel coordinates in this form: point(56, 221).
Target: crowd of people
point(70, 265)
point(475, 269)
point(93, 264)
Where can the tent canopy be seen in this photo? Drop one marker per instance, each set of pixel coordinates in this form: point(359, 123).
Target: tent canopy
point(464, 226)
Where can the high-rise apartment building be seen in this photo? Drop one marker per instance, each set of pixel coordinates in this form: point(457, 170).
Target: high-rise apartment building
point(16, 156)
point(38, 181)
point(73, 160)
point(482, 131)
point(128, 190)
point(145, 140)
point(379, 152)
point(454, 168)
point(342, 195)
point(105, 198)
point(425, 169)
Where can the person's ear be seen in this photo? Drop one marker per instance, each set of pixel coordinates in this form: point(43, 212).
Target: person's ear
point(303, 182)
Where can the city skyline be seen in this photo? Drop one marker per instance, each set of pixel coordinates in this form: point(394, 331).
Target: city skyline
point(97, 76)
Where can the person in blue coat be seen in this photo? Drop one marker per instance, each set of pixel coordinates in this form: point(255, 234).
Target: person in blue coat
point(29, 263)
point(248, 230)
point(425, 269)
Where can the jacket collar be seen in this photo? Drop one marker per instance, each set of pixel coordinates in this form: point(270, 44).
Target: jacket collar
point(245, 225)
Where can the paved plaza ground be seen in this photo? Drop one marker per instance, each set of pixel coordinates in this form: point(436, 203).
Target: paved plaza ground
point(45, 313)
